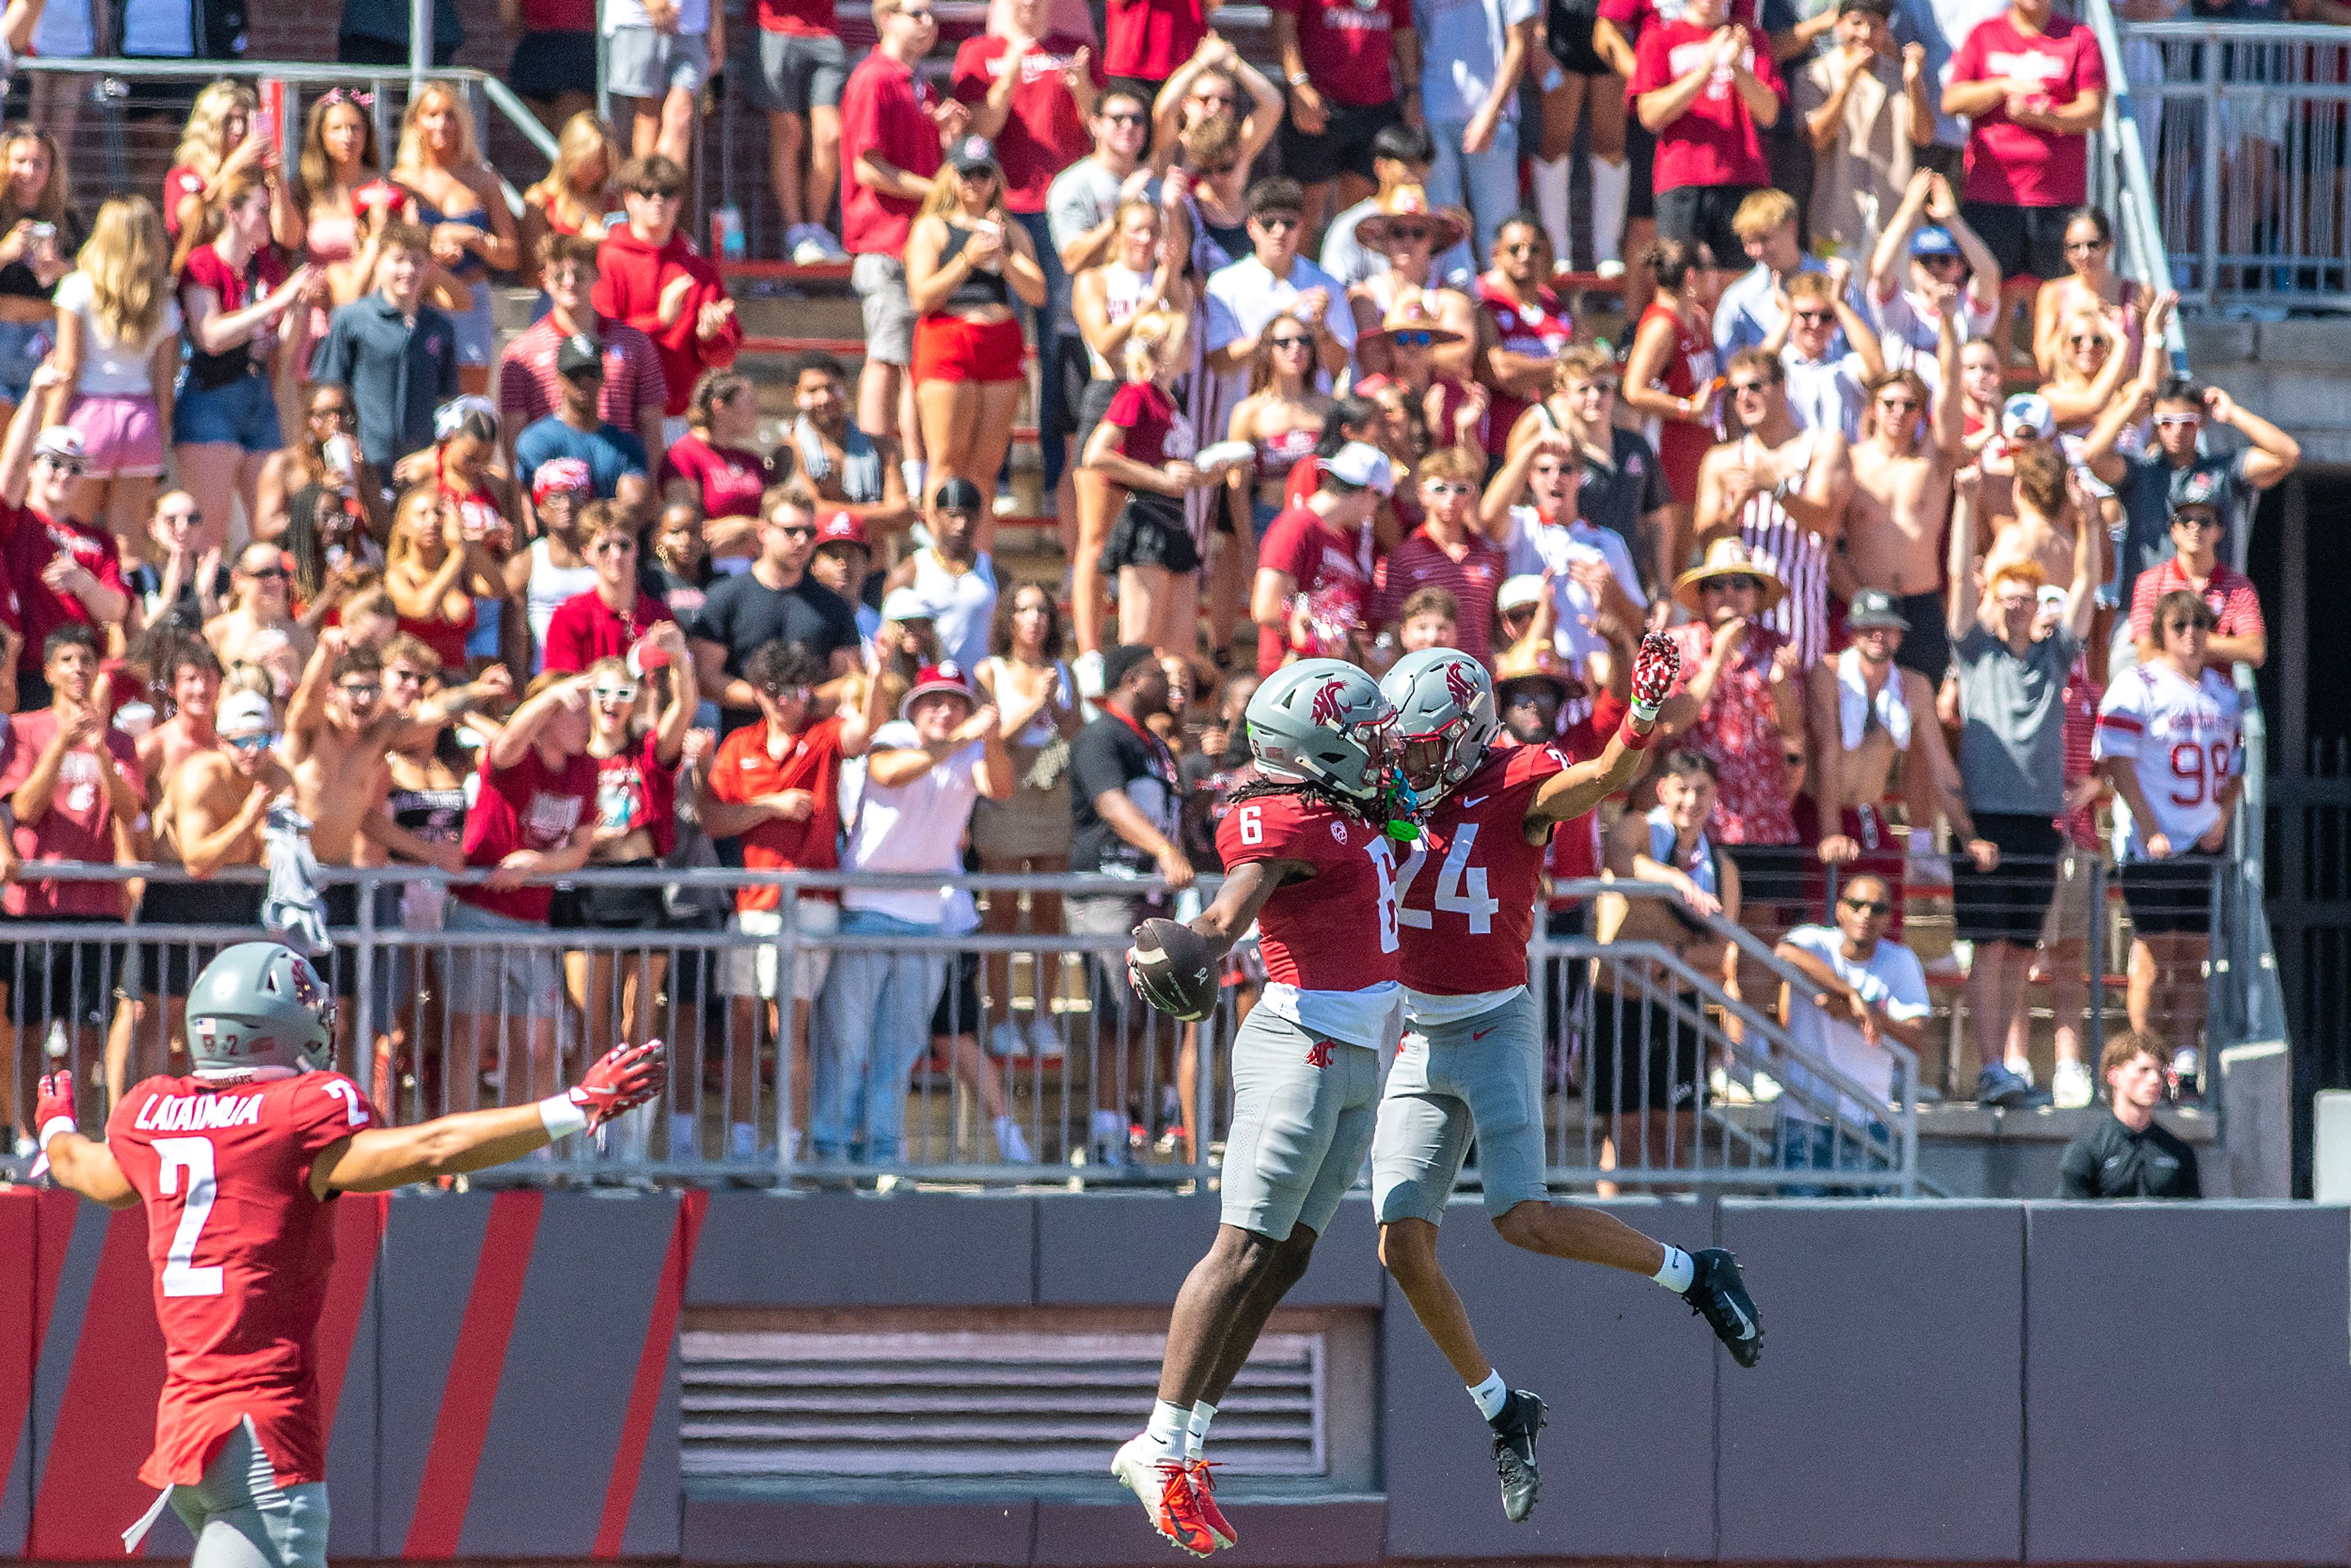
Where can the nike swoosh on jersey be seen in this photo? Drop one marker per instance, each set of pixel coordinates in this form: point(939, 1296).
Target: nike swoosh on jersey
point(1482, 1033)
point(1472, 803)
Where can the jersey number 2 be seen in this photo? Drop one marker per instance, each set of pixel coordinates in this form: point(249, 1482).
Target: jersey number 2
point(1460, 886)
point(194, 1156)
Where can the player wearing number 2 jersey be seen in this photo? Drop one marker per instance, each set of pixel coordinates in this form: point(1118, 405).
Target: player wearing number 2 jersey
point(237, 1164)
point(1305, 859)
point(2170, 736)
point(1470, 1064)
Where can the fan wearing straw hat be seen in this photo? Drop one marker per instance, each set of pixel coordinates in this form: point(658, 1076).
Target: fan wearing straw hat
point(1411, 340)
point(1411, 235)
point(1748, 715)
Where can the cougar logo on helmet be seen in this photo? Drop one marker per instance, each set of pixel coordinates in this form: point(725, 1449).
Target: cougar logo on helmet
point(1330, 703)
point(1458, 686)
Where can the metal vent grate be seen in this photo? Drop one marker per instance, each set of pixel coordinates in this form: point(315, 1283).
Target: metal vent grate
point(795, 1406)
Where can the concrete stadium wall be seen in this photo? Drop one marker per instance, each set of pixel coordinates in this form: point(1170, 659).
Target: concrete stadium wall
point(1941, 1383)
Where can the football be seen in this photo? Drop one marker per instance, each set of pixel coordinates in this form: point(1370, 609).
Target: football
point(1171, 968)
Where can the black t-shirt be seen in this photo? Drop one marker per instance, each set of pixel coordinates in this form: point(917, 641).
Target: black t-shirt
point(2109, 1160)
point(2145, 492)
point(1618, 494)
point(1108, 754)
point(743, 614)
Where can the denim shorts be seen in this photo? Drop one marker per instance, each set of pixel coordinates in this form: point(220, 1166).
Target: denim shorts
point(242, 413)
point(23, 346)
point(476, 330)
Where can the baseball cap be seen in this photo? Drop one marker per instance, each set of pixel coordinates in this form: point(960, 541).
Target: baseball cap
point(972, 154)
point(561, 474)
point(943, 677)
point(2027, 413)
point(1518, 591)
point(2206, 482)
point(1933, 239)
point(1873, 608)
point(841, 528)
point(1363, 465)
point(956, 494)
point(243, 714)
point(60, 441)
point(904, 604)
point(579, 352)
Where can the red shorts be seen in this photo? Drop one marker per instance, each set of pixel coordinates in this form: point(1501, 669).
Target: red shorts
point(950, 349)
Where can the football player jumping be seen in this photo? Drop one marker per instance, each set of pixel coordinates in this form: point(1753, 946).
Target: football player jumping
point(1471, 1061)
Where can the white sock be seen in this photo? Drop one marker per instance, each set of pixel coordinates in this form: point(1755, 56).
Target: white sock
point(1550, 201)
point(1196, 1434)
point(1169, 1423)
point(911, 470)
point(1490, 1394)
point(1678, 1271)
point(743, 1139)
point(1612, 186)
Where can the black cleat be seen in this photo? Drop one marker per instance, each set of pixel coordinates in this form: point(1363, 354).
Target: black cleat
point(1514, 1453)
point(1719, 1294)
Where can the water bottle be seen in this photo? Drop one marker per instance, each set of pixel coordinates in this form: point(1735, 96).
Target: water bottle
point(726, 231)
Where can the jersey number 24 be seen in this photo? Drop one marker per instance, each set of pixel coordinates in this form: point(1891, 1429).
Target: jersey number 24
point(1460, 886)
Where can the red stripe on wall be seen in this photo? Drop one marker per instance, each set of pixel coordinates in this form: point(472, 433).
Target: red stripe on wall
point(653, 1366)
point(89, 1489)
point(359, 1238)
point(448, 1488)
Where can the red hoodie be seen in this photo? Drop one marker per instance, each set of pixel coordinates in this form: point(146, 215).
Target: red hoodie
point(633, 276)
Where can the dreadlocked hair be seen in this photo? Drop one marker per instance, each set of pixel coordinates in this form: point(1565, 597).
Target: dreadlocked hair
point(1265, 784)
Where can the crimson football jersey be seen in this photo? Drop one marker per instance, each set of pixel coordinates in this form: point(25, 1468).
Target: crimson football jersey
point(241, 1251)
point(1465, 895)
point(1335, 932)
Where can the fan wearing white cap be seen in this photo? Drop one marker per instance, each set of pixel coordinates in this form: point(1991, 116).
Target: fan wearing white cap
point(208, 819)
point(1313, 594)
point(79, 576)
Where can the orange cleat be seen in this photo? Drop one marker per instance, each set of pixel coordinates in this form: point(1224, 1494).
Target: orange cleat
point(1166, 1490)
point(1204, 1494)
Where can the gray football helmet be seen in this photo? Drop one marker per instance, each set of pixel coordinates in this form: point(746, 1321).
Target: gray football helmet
point(1324, 722)
point(260, 1005)
point(1444, 701)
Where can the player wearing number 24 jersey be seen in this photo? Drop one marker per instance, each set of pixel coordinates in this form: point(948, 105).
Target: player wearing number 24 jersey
point(1306, 859)
point(1470, 1064)
point(238, 1165)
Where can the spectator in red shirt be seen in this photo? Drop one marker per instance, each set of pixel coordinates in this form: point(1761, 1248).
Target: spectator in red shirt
point(616, 614)
point(776, 787)
point(1145, 40)
point(61, 570)
point(533, 816)
point(2197, 522)
point(1447, 552)
point(636, 392)
point(1314, 565)
point(70, 779)
point(1031, 91)
point(652, 278)
point(2031, 85)
point(1343, 60)
point(1145, 443)
point(893, 132)
point(803, 72)
point(1708, 91)
point(716, 458)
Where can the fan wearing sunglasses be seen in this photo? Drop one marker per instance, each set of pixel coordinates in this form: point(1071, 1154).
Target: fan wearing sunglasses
point(1869, 990)
point(61, 569)
point(616, 616)
point(1825, 380)
point(1902, 473)
point(260, 624)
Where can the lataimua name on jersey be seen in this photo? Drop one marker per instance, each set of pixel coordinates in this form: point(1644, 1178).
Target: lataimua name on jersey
point(199, 1113)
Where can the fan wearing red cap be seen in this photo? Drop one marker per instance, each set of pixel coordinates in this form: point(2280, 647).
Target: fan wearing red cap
point(843, 560)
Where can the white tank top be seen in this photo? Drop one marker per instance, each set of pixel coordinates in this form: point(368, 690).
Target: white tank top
point(1798, 557)
point(1123, 291)
point(549, 587)
point(964, 603)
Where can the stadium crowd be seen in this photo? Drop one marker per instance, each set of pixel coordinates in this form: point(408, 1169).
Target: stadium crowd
point(298, 550)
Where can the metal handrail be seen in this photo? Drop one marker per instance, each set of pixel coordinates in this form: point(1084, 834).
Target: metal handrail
point(2119, 170)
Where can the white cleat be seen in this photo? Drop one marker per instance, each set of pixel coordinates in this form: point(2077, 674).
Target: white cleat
point(1165, 1490)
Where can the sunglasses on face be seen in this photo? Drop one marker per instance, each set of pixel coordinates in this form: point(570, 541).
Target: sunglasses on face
point(1816, 317)
point(657, 195)
point(334, 410)
point(796, 531)
point(2178, 421)
point(788, 694)
point(614, 547)
point(1412, 235)
point(1743, 388)
point(268, 574)
point(1415, 339)
point(1524, 247)
point(1125, 117)
point(2083, 341)
point(1726, 584)
point(1279, 343)
point(404, 677)
point(177, 519)
point(2184, 627)
point(249, 742)
point(1897, 405)
point(2083, 246)
point(1279, 222)
point(1937, 263)
point(2196, 524)
point(361, 691)
point(1870, 906)
point(916, 14)
point(616, 693)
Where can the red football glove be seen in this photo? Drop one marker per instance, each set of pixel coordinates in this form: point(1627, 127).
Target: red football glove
point(627, 1077)
point(56, 1102)
point(1655, 670)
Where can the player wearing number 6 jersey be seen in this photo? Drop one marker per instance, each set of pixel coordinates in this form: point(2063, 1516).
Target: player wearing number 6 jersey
point(237, 1164)
point(1470, 1065)
point(1305, 859)
point(2170, 736)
